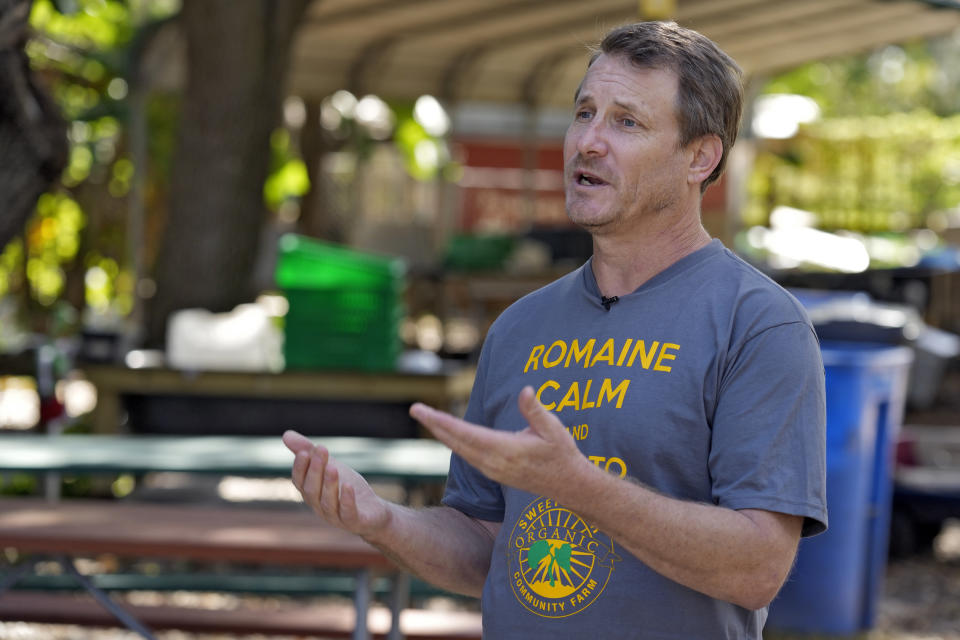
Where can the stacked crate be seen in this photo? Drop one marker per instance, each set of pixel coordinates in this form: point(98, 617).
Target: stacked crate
point(346, 306)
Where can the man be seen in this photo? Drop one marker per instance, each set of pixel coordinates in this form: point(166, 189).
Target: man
point(666, 451)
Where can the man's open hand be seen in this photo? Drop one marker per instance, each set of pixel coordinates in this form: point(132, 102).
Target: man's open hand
point(334, 491)
point(540, 459)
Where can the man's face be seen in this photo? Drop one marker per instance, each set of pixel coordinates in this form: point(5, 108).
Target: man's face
point(622, 161)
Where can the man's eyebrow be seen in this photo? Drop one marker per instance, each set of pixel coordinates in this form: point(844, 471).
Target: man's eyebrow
point(581, 98)
point(628, 106)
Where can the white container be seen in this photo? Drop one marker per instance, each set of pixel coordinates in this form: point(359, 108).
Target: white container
point(933, 351)
point(244, 339)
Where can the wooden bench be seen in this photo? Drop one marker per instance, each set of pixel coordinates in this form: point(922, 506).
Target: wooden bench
point(333, 621)
point(208, 534)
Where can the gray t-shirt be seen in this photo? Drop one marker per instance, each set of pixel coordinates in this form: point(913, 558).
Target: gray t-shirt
point(705, 383)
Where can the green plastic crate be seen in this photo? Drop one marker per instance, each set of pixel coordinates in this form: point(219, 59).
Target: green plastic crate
point(307, 263)
point(345, 306)
point(479, 252)
point(313, 349)
point(344, 310)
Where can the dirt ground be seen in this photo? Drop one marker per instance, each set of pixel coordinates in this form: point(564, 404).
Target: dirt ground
point(921, 599)
point(922, 595)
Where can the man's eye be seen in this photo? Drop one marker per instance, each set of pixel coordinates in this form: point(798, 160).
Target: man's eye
point(583, 115)
point(628, 122)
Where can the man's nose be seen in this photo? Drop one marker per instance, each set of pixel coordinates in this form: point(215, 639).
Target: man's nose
point(593, 139)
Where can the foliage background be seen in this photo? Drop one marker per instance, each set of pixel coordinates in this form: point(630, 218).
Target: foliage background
point(885, 155)
point(73, 253)
point(884, 158)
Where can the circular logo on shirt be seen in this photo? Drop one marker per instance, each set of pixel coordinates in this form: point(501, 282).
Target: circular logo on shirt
point(558, 564)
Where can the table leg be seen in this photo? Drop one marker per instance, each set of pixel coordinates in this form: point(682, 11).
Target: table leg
point(15, 574)
point(106, 415)
point(51, 486)
point(52, 479)
point(399, 599)
point(106, 601)
point(361, 602)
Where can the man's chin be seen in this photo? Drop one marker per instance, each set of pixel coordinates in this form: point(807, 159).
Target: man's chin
point(589, 222)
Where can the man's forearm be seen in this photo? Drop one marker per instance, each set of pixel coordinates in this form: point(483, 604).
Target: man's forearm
point(440, 545)
point(738, 556)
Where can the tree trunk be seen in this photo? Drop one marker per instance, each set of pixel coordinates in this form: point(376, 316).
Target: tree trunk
point(237, 57)
point(32, 133)
point(316, 218)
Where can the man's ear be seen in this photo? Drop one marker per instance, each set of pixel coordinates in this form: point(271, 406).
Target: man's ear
point(706, 152)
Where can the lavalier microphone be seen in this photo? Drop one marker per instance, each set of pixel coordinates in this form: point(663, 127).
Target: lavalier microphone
point(606, 302)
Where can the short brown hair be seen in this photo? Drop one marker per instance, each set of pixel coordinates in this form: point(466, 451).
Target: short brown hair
point(710, 88)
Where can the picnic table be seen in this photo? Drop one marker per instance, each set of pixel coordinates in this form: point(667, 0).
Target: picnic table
point(321, 403)
point(414, 460)
point(70, 528)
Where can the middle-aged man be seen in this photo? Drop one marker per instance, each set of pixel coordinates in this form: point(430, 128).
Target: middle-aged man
point(644, 444)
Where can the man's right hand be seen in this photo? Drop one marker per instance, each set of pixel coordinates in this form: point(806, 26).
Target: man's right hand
point(334, 491)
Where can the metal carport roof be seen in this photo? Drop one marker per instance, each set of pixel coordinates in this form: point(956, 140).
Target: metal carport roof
point(534, 51)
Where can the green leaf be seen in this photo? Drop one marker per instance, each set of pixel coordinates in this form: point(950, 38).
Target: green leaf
point(562, 556)
point(538, 551)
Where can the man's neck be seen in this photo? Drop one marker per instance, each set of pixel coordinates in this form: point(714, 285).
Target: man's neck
point(621, 264)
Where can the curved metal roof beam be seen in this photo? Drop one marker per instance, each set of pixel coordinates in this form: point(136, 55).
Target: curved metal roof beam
point(376, 50)
point(541, 74)
point(456, 71)
point(362, 11)
point(467, 59)
point(789, 19)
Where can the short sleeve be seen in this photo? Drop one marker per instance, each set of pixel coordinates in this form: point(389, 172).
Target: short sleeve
point(468, 490)
point(768, 442)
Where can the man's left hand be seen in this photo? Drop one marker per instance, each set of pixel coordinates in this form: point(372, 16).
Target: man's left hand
point(540, 458)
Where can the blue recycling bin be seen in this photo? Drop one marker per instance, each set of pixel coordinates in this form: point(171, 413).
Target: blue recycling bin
point(838, 576)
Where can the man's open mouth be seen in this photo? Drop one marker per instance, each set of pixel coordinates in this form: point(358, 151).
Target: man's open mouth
point(588, 179)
